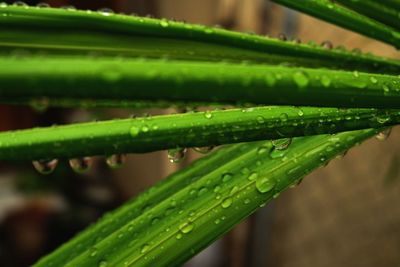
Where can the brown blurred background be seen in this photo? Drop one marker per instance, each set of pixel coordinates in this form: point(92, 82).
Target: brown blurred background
point(345, 214)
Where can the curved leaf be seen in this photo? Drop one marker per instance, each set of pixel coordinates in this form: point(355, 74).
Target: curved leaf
point(199, 207)
point(346, 18)
point(73, 32)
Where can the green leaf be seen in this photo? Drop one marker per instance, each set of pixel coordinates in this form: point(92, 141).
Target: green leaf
point(377, 10)
point(73, 32)
point(31, 79)
point(346, 18)
point(199, 129)
point(176, 219)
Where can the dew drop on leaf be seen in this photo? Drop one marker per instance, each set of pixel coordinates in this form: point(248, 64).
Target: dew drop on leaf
point(176, 155)
point(252, 176)
point(204, 149)
point(265, 185)
point(327, 45)
point(20, 3)
point(105, 11)
point(80, 165)
point(301, 79)
point(45, 166)
point(226, 203)
point(281, 144)
point(382, 136)
point(134, 131)
point(226, 177)
point(186, 228)
point(116, 161)
point(326, 81)
point(208, 114)
point(103, 263)
point(144, 248)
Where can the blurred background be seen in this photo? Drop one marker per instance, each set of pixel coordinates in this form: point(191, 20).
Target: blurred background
point(345, 214)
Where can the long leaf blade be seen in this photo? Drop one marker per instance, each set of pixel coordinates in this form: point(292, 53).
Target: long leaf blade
point(74, 32)
point(28, 79)
point(346, 18)
point(200, 129)
point(183, 223)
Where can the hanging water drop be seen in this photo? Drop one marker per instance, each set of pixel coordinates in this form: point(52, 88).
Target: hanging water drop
point(327, 45)
point(103, 263)
point(383, 135)
point(116, 161)
point(282, 37)
point(176, 155)
point(204, 149)
point(81, 165)
point(45, 166)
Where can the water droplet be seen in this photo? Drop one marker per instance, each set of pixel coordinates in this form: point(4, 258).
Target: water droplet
point(226, 203)
point(40, 105)
point(164, 23)
point(265, 185)
point(176, 155)
point(186, 227)
point(179, 236)
point(373, 80)
point(203, 150)
point(281, 144)
point(252, 176)
point(145, 248)
point(227, 177)
point(382, 136)
point(262, 150)
point(116, 161)
point(284, 117)
point(93, 252)
point(80, 165)
point(270, 80)
point(356, 74)
point(43, 5)
point(103, 263)
point(20, 3)
point(327, 45)
point(260, 119)
point(326, 81)
point(382, 118)
point(208, 114)
point(45, 166)
point(301, 79)
point(105, 11)
point(134, 131)
point(246, 201)
point(282, 37)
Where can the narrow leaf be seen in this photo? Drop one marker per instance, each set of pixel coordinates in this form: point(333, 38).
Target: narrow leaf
point(377, 10)
point(200, 129)
point(200, 206)
point(74, 32)
point(30, 79)
point(346, 18)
